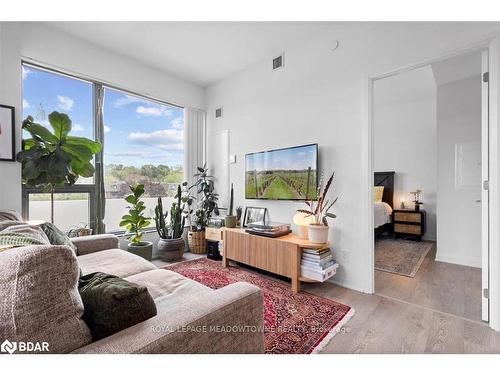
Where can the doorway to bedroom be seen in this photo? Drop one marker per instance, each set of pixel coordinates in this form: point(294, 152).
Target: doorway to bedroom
point(430, 160)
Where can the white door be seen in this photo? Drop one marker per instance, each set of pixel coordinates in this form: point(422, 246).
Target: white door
point(462, 204)
point(484, 188)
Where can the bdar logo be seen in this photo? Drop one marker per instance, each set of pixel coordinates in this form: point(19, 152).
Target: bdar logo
point(8, 346)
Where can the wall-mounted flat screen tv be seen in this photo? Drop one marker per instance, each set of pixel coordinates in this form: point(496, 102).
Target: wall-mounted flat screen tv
point(284, 174)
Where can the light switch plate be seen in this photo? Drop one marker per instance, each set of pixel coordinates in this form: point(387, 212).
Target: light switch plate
point(232, 159)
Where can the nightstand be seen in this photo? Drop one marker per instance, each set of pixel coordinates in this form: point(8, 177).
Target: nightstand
point(409, 223)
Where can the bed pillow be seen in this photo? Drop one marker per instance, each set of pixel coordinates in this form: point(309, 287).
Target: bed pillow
point(378, 193)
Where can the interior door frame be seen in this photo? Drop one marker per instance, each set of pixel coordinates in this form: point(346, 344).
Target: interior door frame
point(489, 43)
point(485, 194)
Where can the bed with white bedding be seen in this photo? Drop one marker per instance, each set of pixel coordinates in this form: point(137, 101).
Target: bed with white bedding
point(382, 214)
point(382, 209)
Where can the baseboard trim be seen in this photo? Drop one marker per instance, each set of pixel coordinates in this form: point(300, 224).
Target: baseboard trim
point(470, 262)
point(347, 286)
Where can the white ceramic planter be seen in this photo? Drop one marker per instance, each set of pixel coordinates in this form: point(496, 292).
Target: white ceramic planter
point(303, 232)
point(318, 233)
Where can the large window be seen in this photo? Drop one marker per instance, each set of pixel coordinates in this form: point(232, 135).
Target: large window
point(43, 93)
point(143, 143)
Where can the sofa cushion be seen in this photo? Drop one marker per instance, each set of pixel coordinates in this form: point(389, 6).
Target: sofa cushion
point(18, 234)
point(40, 299)
point(164, 283)
point(113, 304)
point(115, 262)
point(90, 244)
point(10, 215)
point(56, 236)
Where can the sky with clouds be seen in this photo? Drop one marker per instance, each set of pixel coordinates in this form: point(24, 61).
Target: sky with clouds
point(136, 131)
point(297, 158)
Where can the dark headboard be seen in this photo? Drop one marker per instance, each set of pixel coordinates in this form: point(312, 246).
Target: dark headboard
point(386, 179)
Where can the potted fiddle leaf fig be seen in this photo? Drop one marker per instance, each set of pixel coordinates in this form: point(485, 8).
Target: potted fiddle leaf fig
point(135, 222)
point(52, 159)
point(230, 220)
point(320, 212)
point(171, 244)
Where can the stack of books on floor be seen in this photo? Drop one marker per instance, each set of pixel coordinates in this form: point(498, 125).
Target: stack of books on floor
point(221, 248)
point(318, 264)
point(268, 229)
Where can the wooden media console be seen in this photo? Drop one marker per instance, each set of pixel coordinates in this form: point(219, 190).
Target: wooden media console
point(281, 255)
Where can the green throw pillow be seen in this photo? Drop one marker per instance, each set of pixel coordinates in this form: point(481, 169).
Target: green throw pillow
point(112, 304)
point(56, 236)
point(8, 240)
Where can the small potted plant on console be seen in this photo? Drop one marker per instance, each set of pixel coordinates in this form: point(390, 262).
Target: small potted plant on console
point(171, 244)
point(230, 220)
point(320, 211)
point(135, 222)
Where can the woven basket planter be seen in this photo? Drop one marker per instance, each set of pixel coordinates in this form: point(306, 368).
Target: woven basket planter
point(196, 241)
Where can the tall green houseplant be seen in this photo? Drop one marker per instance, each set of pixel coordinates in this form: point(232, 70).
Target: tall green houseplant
point(52, 159)
point(207, 198)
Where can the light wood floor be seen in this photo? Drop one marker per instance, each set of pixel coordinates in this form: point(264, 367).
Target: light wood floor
point(441, 286)
point(386, 325)
point(395, 323)
point(438, 311)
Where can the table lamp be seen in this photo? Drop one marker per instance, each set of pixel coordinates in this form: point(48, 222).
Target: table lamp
point(302, 220)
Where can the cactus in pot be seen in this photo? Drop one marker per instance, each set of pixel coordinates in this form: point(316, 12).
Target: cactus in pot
point(171, 244)
point(230, 220)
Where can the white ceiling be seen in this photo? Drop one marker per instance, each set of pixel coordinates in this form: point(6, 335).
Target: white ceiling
point(199, 52)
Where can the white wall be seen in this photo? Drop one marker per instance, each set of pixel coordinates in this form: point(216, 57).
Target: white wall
point(49, 46)
point(320, 96)
point(404, 137)
point(459, 216)
point(10, 94)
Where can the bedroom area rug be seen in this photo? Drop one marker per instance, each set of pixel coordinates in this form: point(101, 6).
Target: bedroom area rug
point(402, 257)
point(295, 323)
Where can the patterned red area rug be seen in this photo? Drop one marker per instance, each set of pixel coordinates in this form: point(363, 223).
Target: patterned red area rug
point(295, 323)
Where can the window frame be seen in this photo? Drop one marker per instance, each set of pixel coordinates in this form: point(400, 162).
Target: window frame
point(98, 135)
point(82, 188)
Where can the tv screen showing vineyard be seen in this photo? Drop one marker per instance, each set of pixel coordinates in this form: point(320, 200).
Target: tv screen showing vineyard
point(288, 173)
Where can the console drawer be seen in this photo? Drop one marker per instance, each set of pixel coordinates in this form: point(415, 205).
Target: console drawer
point(213, 234)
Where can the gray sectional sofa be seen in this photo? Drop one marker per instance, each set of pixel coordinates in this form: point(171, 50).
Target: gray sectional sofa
point(40, 302)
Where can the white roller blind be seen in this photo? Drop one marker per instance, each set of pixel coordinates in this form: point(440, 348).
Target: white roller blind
point(194, 141)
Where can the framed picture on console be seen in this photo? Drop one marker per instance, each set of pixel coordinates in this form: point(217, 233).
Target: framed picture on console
point(7, 151)
point(254, 214)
